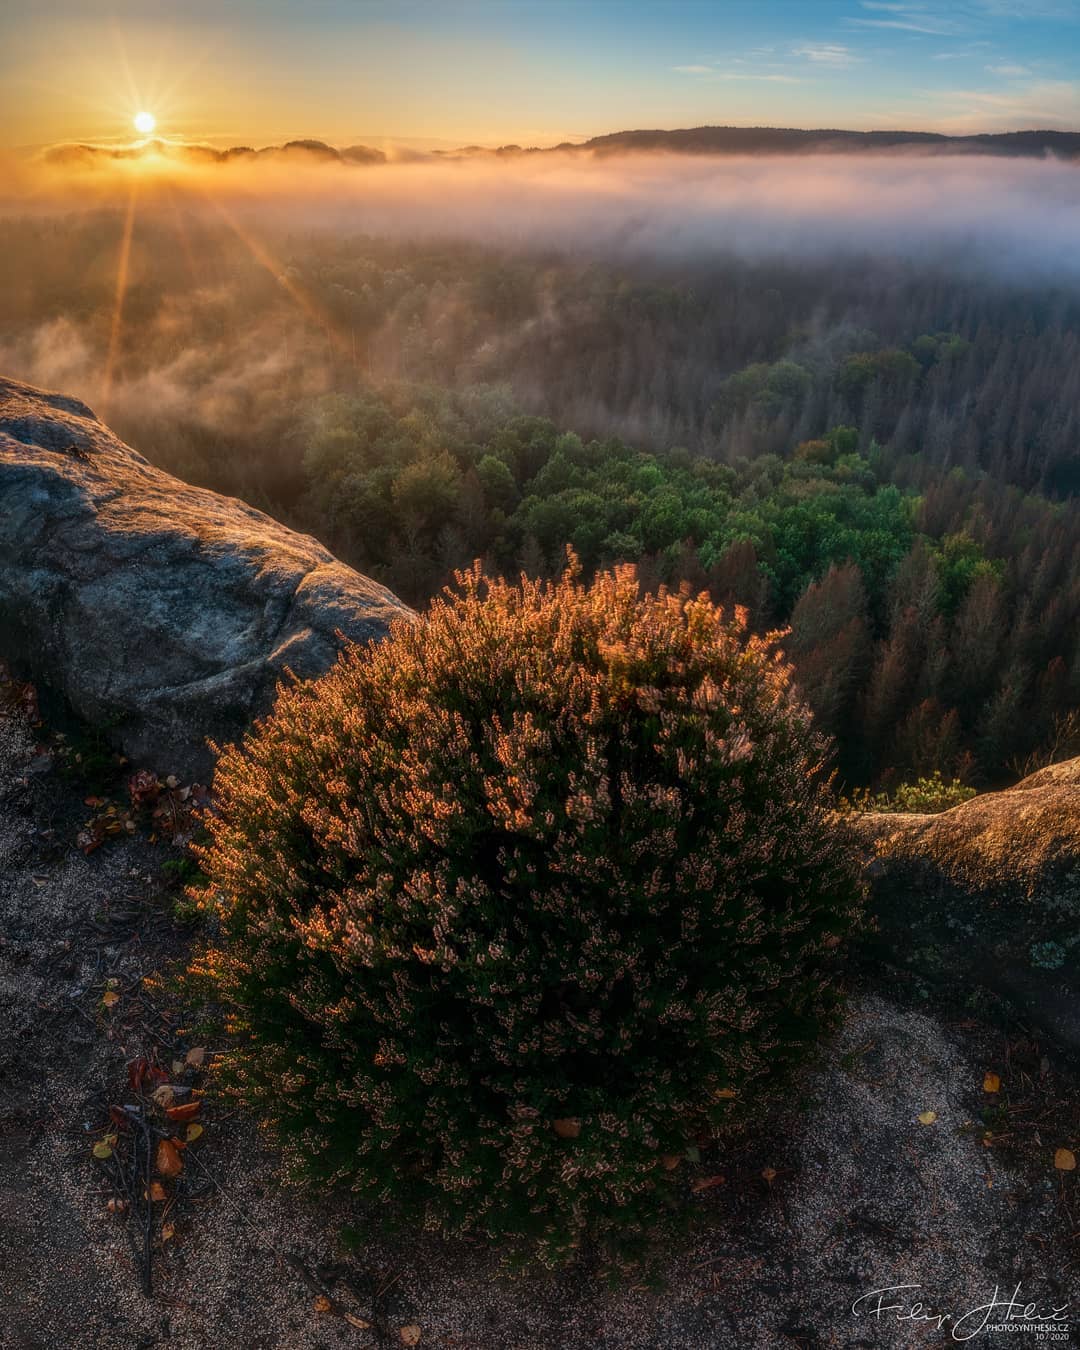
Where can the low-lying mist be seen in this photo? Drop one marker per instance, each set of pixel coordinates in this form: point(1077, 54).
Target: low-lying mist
point(205, 307)
point(1018, 216)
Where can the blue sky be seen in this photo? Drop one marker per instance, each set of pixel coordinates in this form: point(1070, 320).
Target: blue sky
point(531, 71)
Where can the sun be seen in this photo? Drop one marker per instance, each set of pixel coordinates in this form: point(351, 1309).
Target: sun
point(145, 123)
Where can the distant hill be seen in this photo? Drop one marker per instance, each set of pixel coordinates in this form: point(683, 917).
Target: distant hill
point(787, 141)
point(685, 141)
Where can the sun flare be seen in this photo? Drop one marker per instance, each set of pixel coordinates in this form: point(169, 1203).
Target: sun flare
point(145, 123)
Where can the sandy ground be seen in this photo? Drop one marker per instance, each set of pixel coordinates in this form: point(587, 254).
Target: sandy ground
point(864, 1195)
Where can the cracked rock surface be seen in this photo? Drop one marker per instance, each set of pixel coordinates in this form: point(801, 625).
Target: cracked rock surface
point(166, 612)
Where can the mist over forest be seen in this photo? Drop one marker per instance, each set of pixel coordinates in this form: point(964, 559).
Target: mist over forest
point(839, 389)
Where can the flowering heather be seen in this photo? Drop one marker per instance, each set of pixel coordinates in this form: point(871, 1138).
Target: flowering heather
point(515, 906)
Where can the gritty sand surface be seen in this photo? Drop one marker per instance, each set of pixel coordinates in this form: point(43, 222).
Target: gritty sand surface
point(864, 1194)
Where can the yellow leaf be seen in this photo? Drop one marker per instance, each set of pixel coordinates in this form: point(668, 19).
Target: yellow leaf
point(193, 1131)
point(322, 1304)
point(110, 997)
point(991, 1083)
point(357, 1322)
point(410, 1335)
point(569, 1127)
point(158, 1192)
point(102, 1150)
point(927, 1117)
point(168, 1232)
point(1065, 1160)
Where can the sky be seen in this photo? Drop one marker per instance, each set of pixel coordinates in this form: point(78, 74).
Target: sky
point(444, 73)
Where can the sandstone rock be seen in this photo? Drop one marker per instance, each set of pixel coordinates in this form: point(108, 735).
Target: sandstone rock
point(163, 611)
point(988, 894)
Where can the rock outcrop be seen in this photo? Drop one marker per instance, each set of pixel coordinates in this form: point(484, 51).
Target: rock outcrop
point(161, 611)
point(988, 894)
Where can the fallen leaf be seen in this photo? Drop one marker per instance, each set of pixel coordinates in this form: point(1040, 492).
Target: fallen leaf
point(110, 997)
point(927, 1117)
point(725, 1094)
point(768, 1175)
point(193, 1131)
point(185, 1112)
point(119, 1117)
point(991, 1083)
point(197, 1057)
point(102, 1150)
point(158, 1192)
point(569, 1127)
point(671, 1161)
point(168, 1232)
point(137, 1071)
point(178, 1067)
point(164, 1095)
point(707, 1183)
point(357, 1322)
point(322, 1304)
point(169, 1161)
point(410, 1335)
point(1065, 1160)
point(116, 1206)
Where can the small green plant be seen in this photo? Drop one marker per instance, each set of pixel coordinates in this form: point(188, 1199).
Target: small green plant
point(519, 906)
point(1047, 955)
point(926, 796)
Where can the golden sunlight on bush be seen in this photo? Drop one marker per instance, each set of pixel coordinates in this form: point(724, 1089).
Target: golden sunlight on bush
point(524, 902)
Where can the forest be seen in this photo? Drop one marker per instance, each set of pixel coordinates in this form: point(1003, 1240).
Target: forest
point(883, 459)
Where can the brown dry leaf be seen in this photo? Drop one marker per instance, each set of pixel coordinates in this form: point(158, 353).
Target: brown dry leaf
point(197, 1057)
point(725, 1094)
point(357, 1322)
point(410, 1335)
point(707, 1183)
point(158, 1192)
point(169, 1161)
point(1065, 1160)
point(322, 1304)
point(569, 1127)
point(185, 1112)
point(164, 1095)
point(117, 1206)
point(168, 1232)
point(193, 1131)
point(110, 997)
point(671, 1161)
point(177, 1067)
point(991, 1083)
point(927, 1117)
point(768, 1175)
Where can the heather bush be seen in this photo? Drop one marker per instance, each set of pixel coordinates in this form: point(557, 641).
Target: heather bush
point(517, 907)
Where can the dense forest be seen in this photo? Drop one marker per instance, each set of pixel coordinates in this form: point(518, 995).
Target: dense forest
point(886, 459)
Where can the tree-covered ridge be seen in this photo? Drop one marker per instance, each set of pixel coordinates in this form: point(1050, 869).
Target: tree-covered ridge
point(933, 625)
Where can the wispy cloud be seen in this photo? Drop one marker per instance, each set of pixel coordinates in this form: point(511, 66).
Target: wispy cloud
point(907, 18)
point(910, 24)
point(693, 70)
point(1009, 71)
point(831, 54)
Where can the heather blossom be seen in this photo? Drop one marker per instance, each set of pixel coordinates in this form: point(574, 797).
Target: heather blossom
point(517, 907)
